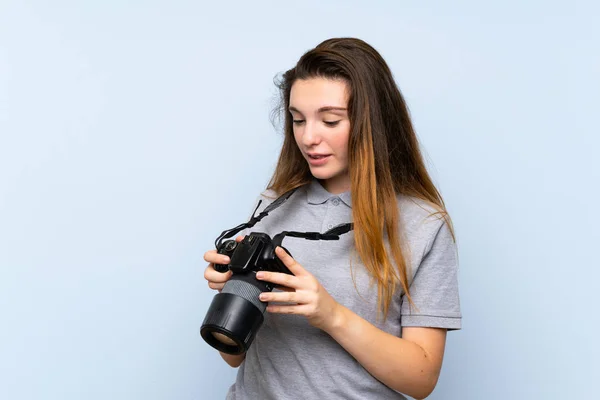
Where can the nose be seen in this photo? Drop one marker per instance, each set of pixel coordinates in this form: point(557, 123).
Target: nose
point(311, 135)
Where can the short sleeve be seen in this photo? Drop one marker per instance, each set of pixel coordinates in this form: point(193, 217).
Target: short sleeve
point(434, 288)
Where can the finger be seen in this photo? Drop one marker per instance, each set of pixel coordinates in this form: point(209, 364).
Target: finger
point(239, 238)
point(294, 267)
point(289, 309)
point(284, 297)
point(212, 275)
point(216, 258)
point(209, 255)
point(278, 278)
point(216, 286)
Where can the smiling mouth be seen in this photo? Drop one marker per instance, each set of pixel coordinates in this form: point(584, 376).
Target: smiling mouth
point(317, 157)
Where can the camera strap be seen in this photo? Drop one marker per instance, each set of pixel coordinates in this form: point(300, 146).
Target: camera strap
point(255, 218)
point(332, 234)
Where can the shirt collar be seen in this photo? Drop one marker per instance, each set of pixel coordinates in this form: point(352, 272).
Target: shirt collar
point(317, 194)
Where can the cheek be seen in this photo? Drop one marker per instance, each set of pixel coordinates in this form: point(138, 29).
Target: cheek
point(296, 136)
point(341, 141)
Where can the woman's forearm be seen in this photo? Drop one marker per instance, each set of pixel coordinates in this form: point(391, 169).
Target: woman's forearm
point(233, 360)
point(398, 363)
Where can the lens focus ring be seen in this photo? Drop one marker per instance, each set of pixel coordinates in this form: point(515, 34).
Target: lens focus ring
point(245, 290)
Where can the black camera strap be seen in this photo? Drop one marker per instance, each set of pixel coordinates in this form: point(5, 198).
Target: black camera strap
point(332, 234)
point(255, 218)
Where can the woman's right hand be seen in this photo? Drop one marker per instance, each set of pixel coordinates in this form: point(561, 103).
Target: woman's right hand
point(216, 280)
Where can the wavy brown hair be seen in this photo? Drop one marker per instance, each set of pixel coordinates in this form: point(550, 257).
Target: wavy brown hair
point(384, 158)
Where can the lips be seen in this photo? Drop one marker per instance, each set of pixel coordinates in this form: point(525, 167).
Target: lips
point(315, 156)
point(317, 160)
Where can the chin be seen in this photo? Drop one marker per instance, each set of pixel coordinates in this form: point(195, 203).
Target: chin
point(322, 177)
point(323, 174)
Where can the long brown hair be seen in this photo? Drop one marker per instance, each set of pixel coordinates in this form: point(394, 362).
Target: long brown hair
point(384, 158)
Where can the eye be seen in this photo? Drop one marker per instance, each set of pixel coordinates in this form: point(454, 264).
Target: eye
point(298, 121)
point(331, 123)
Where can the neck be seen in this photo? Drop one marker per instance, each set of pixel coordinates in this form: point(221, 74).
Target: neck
point(336, 185)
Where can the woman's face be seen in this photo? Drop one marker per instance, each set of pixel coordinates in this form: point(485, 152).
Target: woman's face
point(319, 108)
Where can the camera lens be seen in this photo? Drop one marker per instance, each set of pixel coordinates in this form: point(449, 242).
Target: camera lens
point(235, 315)
point(224, 339)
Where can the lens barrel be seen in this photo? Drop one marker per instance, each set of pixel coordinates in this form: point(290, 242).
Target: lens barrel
point(235, 314)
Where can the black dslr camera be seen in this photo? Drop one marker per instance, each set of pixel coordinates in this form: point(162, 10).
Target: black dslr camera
point(256, 252)
point(236, 313)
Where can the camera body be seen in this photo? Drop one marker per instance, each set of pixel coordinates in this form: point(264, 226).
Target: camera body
point(256, 252)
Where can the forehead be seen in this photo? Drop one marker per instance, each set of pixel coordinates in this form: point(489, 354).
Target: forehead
point(313, 93)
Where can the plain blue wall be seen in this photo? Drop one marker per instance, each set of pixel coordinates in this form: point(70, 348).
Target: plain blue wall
point(132, 135)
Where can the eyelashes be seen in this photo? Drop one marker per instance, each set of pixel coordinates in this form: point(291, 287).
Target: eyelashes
point(328, 123)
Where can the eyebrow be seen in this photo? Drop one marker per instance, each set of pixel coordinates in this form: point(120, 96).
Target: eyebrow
point(322, 109)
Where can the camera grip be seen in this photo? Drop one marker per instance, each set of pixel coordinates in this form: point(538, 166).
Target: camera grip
point(222, 268)
point(227, 248)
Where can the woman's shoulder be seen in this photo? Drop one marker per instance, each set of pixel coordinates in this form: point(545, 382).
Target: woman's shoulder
point(420, 217)
point(427, 228)
point(296, 195)
point(268, 195)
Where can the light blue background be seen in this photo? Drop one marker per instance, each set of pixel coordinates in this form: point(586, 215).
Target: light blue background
point(132, 134)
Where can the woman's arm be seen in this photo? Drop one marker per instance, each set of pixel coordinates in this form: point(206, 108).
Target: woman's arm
point(410, 365)
point(233, 360)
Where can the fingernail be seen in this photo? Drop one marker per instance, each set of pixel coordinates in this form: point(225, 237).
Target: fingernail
point(262, 296)
point(226, 260)
point(260, 275)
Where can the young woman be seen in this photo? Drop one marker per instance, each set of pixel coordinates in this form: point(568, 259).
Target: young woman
point(366, 316)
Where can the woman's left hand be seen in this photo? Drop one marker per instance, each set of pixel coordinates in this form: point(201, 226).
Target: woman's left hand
point(302, 289)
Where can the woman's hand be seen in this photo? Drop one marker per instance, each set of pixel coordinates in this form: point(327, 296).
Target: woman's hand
point(302, 289)
point(216, 280)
